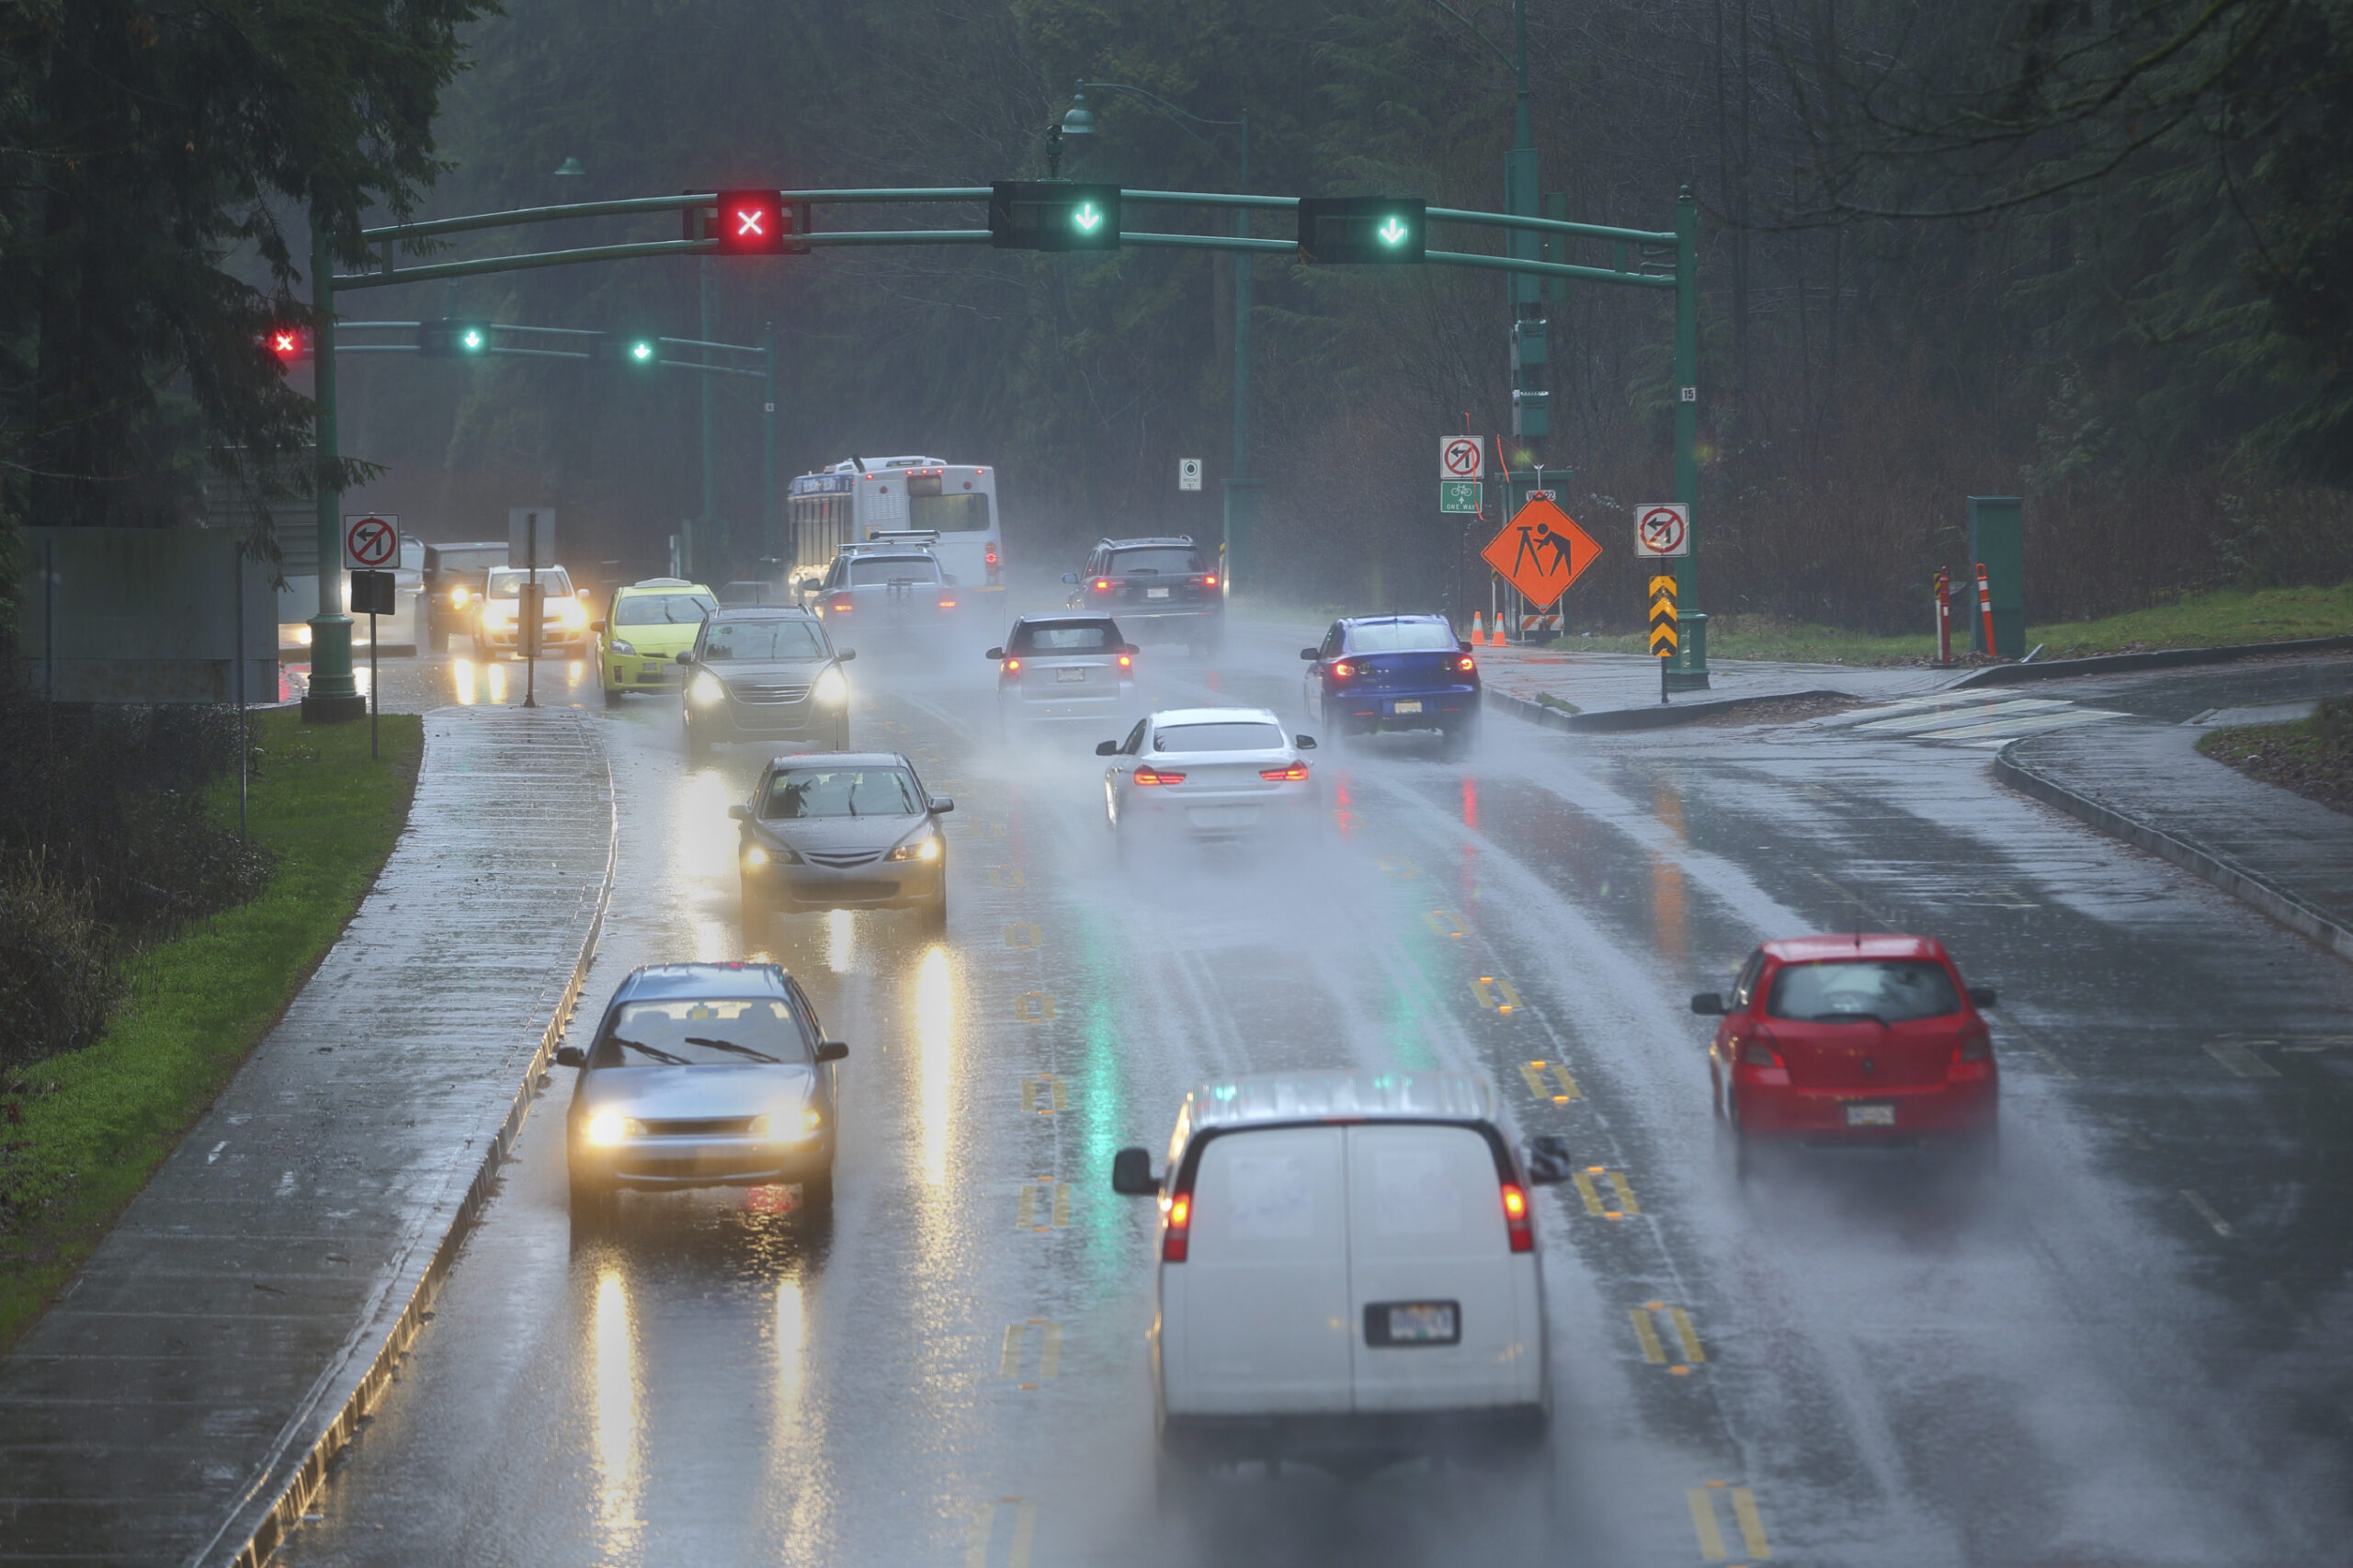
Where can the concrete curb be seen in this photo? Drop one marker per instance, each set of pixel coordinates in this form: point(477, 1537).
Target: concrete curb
point(2162, 658)
point(355, 1381)
point(1665, 715)
point(2243, 885)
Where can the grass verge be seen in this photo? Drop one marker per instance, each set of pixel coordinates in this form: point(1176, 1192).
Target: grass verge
point(2312, 756)
point(2221, 618)
point(81, 1132)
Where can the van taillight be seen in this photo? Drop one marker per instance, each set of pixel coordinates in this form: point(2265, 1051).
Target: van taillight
point(1178, 1228)
point(1515, 1220)
point(992, 555)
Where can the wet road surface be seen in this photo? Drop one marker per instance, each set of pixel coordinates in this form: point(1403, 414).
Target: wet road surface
point(2129, 1344)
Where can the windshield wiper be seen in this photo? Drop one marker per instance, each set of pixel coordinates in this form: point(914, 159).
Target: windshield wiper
point(662, 1056)
point(729, 1045)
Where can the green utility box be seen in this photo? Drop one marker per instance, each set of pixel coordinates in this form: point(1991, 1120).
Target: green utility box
point(1996, 542)
point(1688, 671)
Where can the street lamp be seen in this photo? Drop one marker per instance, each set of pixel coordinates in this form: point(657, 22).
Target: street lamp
point(1241, 490)
point(570, 169)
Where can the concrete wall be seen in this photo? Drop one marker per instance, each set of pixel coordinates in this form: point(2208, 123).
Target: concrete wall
point(142, 615)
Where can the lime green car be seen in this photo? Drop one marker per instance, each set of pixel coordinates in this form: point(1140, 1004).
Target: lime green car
point(645, 629)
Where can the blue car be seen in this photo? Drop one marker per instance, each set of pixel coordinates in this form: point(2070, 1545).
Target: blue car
point(1394, 672)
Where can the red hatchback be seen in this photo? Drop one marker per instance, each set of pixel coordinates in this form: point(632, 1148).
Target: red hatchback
point(1852, 1038)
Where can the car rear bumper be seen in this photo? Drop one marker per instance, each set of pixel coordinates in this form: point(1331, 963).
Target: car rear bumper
point(671, 1163)
point(1960, 1109)
point(1043, 702)
point(1429, 709)
point(1181, 624)
point(1490, 1429)
point(1283, 809)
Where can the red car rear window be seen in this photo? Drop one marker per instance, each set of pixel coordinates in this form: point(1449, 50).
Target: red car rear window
point(1890, 989)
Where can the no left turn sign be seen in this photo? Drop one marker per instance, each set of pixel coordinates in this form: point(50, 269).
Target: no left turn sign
point(1460, 457)
point(1662, 528)
point(371, 542)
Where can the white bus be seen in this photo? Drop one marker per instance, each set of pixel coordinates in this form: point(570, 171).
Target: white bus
point(949, 508)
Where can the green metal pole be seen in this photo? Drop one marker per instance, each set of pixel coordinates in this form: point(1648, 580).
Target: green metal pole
point(767, 440)
point(1241, 489)
point(1692, 658)
point(334, 695)
point(710, 543)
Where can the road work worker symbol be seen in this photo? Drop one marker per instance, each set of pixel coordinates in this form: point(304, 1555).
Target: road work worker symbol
point(1540, 552)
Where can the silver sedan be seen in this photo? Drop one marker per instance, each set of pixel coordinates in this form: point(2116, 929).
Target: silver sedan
point(1210, 773)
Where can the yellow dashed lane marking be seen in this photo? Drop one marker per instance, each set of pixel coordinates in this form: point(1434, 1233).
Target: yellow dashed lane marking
point(1031, 1213)
point(1495, 993)
point(1034, 1007)
point(1653, 1351)
point(1443, 923)
point(1022, 935)
point(1398, 866)
point(1595, 1203)
point(1559, 1091)
point(1703, 1519)
point(1647, 1318)
point(1044, 1094)
point(1050, 1349)
point(983, 1531)
point(1688, 1335)
point(1750, 1523)
point(1006, 877)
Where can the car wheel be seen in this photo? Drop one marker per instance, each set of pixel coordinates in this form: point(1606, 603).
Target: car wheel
point(698, 743)
point(613, 696)
point(592, 1201)
point(817, 1193)
point(756, 913)
point(437, 639)
point(935, 914)
point(841, 734)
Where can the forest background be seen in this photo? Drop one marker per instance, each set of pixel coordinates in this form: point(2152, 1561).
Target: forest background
point(2096, 254)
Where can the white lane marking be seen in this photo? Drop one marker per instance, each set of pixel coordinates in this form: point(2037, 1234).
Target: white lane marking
point(286, 1185)
point(2010, 729)
point(216, 1150)
point(1915, 721)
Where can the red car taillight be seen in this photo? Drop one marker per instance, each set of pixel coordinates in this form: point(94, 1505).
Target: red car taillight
point(1757, 1051)
point(1126, 662)
point(1466, 664)
point(948, 604)
point(1294, 774)
point(840, 606)
point(992, 558)
point(1102, 584)
point(1515, 1220)
point(1180, 1229)
point(1146, 776)
point(1975, 1047)
point(1210, 580)
point(1012, 668)
point(1343, 670)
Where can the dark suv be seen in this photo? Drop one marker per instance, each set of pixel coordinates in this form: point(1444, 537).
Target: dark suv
point(1163, 590)
point(455, 575)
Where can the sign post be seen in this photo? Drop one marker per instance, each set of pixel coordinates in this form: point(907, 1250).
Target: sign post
point(1664, 639)
point(373, 594)
point(371, 543)
point(530, 530)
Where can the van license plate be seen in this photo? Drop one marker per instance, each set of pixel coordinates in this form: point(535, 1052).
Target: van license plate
point(1870, 1116)
point(1410, 705)
point(1155, 593)
point(1413, 1322)
point(1070, 675)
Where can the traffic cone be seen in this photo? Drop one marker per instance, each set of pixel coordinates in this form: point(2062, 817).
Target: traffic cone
point(1478, 631)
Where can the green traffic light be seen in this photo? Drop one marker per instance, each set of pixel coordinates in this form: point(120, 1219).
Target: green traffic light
point(1087, 218)
point(1392, 232)
point(641, 351)
point(473, 339)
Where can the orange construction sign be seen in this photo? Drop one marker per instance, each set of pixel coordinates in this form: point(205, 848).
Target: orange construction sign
point(1540, 552)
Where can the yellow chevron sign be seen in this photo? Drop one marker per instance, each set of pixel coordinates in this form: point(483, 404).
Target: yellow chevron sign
point(1663, 629)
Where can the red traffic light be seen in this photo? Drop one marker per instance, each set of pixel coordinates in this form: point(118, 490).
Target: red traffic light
point(752, 223)
point(289, 345)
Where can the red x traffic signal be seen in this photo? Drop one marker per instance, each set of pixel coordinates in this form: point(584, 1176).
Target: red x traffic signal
point(752, 223)
point(288, 345)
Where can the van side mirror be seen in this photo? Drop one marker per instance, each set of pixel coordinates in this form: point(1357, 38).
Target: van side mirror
point(1981, 995)
point(1710, 1004)
point(941, 805)
point(571, 1056)
point(1309, 653)
point(1304, 742)
point(993, 654)
point(1548, 1160)
point(1132, 1174)
point(1107, 748)
point(739, 812)
point(1070, 577)
point(685, 658)
point(844, 656)
point(831, 1051)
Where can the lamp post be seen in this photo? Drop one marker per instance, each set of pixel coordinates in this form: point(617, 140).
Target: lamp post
point(1242, 491)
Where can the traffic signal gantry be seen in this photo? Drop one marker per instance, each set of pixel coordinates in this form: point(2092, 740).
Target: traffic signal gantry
point(1041, 215)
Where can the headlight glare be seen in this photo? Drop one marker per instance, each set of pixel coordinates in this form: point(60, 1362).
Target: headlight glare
point(812, 1119)
point(760, 1126)
point(572, 612)
point(756, 856)
point(705, 688)
point(925, 847)
point(831, 687)
point(608, 1128)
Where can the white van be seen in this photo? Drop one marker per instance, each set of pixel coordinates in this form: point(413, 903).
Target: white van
point(1347, 1272)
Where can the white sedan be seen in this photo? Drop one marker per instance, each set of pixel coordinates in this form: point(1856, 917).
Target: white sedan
point(1208, 773)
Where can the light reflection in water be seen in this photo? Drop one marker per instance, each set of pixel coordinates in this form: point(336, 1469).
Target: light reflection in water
point(620, 1480)
point(495, 678)
point(792, 1342)
point(461, 675)
point(839, 945)
point(935, 1056)
point(705, 853)
point(1666, 874)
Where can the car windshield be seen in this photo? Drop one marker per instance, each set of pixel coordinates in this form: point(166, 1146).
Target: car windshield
point(1092, 638)
point(507, 583)
point(759, 640)
point(702, 1032)
point(662, 609)
point(841, 792)
point(870, 571)
point(448, 560)
point(1890, 989)
point(1160, 561)
point(1400, 637)
point(1224, 736)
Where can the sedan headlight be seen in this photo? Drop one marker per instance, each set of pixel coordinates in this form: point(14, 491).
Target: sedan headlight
point(705, 689)
point(494, 614)
point(831, 687)
point(608, 1128)
point(617, 646)
point(572, 612)
point(458, 596)
point(925, 846)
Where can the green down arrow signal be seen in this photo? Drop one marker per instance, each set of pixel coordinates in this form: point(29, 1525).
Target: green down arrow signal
point(1393, 231)
point(1086, 218)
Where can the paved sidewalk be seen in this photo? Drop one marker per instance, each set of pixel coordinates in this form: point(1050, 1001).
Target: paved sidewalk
point(2146, 782)
point(1598, 684)
point(181, 1401)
